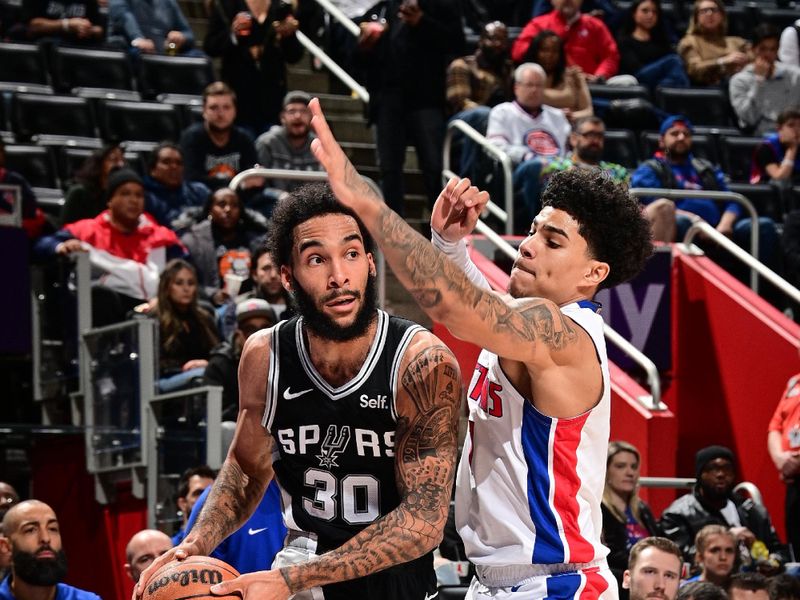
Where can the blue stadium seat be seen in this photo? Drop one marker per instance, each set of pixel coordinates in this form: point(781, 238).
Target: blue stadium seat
point(33, 114)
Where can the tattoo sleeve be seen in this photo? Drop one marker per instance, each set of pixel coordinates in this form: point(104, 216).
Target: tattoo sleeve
point(425, 458)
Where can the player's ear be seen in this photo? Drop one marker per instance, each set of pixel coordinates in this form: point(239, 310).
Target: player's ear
point(286, 278)
point(626, 579)
point(597, 272)
point(373, 270)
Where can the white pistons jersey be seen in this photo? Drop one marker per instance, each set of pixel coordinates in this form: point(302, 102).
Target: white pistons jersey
point(530, 486)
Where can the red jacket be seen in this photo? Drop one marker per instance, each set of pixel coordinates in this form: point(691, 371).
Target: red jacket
point(587, 42)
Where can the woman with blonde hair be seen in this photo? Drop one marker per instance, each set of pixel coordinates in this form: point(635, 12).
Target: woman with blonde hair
point(716, 555)
point(626, 517)
point(709, 54)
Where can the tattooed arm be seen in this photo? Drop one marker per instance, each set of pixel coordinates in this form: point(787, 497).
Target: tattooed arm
point(244, 475)
point(425, 459)
point(529, 330)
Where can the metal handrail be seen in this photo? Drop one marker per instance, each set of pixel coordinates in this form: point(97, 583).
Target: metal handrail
point(715, 196)
point(334, 68)
point(667, 482)
point(337, 14)
point(755, 265)
point(316, 176)
point(506, 215)
point(611, 335)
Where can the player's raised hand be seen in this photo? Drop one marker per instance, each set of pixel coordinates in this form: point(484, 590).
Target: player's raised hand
point(263, 585)
point(457, 209)
point(349, 187)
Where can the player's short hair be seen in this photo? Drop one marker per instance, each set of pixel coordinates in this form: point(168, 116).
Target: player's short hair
point(701, 590)
point(304, 203)
point(747, 580)
point(609, 219)
point(659, 543)
point(783, 587)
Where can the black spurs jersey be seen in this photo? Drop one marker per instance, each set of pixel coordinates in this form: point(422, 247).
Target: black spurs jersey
point(336, 467)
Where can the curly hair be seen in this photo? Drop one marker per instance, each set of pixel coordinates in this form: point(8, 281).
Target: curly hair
point(609, 219)
point(308, 201)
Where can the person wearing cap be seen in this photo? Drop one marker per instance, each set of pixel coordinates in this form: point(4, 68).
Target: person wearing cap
point(674, 166)
point(252, 315)
point(255, 41)
point(127, 249)
point(713, 502)
point(288, 145)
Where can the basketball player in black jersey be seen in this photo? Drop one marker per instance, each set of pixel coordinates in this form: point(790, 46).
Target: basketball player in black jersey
point(361, 410)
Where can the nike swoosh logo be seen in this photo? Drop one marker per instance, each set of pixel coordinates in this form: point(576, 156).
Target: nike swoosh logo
point(252, 531)
point(290, 396)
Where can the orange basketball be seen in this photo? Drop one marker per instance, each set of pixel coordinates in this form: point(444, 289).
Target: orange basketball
point(190, 578)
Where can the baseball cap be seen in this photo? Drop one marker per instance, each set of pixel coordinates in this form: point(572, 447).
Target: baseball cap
point(296, 97)
point(671, 120)
point(254, 307)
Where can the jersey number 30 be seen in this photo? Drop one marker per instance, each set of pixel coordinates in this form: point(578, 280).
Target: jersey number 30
point(356, 498)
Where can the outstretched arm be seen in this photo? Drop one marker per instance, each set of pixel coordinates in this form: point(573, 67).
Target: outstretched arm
point(530, 330)
point(425, 458)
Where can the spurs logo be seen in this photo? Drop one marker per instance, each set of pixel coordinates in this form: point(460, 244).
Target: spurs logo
point(334, 444)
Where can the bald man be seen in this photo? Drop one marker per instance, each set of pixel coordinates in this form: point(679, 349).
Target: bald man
point(142, 549)
point(38, 563)
point(8, 498)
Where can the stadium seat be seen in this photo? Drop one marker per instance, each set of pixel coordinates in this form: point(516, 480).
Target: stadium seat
point(23, 63)
point(174, 75)
point(35, 163)
point(621, 147)
point(618, 92)
point(140, 121)
point(780, 17)
point(81, 68)
point(33, 114)
point(95, 94)
point(703, 146)
point(737, 156)
point(763, 196)
point(190, 108)
point(703, 106)
point(741, 20)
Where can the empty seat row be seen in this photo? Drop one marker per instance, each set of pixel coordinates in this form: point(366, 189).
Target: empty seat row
point(66, 69)
point(29, 115)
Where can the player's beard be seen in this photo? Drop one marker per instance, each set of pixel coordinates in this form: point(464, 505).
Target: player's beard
point(325, 327)
point(39, 571)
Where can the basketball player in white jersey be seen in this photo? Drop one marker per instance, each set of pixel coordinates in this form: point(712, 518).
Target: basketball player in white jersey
point(532, 471)
point(354, 411)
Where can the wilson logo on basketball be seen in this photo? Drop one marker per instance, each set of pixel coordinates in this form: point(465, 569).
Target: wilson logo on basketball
point(184, 578)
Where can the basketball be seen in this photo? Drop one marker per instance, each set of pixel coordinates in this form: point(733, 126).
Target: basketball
point(190, 578)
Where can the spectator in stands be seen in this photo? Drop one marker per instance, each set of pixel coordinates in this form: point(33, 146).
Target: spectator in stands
point(476, 83)
point(626, 517)
point(142, 549)
point(775, 159)
point(713, 503)
point(39, 564)
point(783, 442)
point(86, 197)
point(588, 43)
point(764, 88)
point(153, 27)
point(254, 545)
point(748, 586)
point(252, 315)
point(187, 330)
point(709, 54)
point(266, 286)
point(255, 41)
point(587, 141)
point(701, 590)
point(127, 249)
point(220, 244)
point(288, 145)
point(566, 86)
point(33, 219)
point(675, 167)
point(530, 132)
point(645, 49)
point(783, 587)
point(190, 486)
point(8, 498)
point(654, 569)
point(216, 149)
point(406, 69)
point(74, 22)
point(716, 555)
point(789, 48)
point(168, 194)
